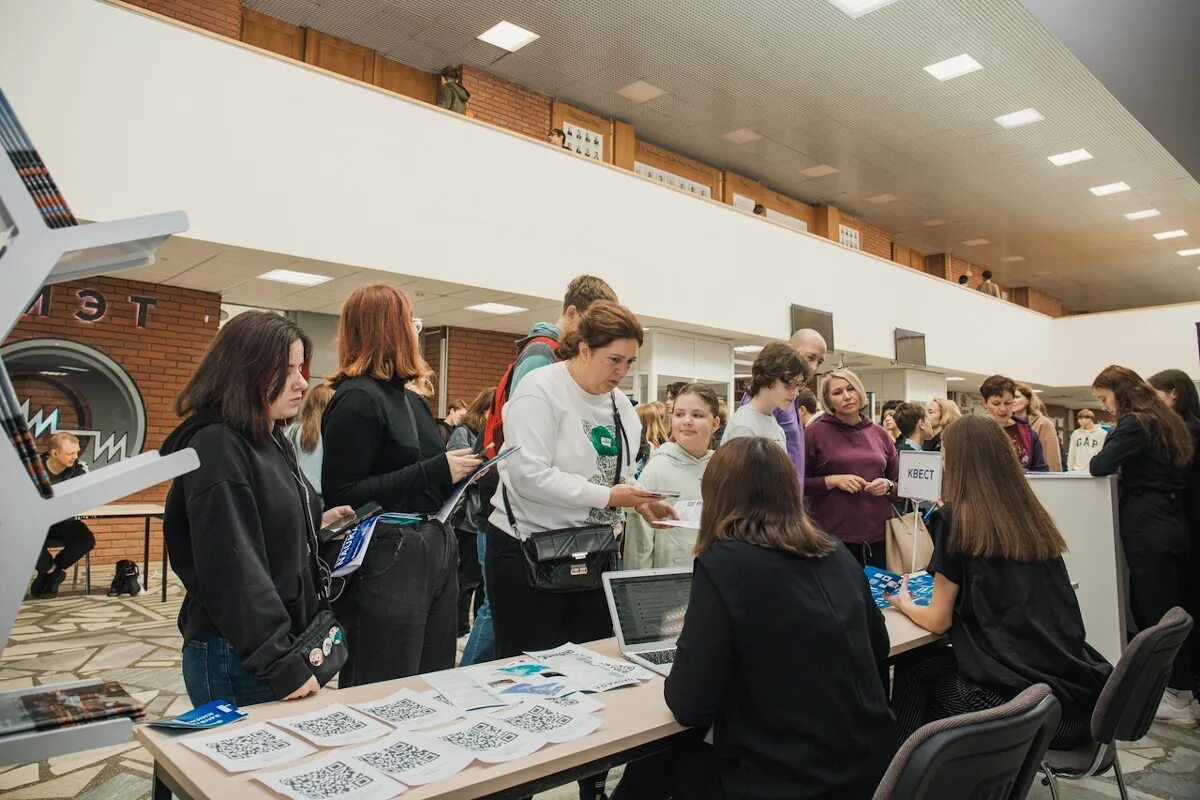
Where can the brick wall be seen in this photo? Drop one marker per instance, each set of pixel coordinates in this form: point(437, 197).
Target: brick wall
point(477, 360)
point(1036, 300)
point(875, 240)
point(507, 105)
point(159, 358)
point(222, 17)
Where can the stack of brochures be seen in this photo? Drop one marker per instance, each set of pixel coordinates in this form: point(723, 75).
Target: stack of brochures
point(882, 582)
point(86, 701)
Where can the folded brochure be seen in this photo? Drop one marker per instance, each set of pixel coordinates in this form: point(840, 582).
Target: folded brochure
point(209, 715)
point(460, 488)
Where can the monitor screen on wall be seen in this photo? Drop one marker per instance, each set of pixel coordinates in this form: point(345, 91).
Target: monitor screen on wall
point(910, 347)
point(819, 321)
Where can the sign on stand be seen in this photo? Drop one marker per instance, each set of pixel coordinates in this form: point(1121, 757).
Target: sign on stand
point(920, 475)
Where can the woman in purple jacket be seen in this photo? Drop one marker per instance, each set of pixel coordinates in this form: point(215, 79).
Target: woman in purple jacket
point(851, 468)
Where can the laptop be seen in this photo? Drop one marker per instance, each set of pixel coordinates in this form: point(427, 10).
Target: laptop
point(647, 608)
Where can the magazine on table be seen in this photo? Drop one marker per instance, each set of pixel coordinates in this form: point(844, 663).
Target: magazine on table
point(73, 704)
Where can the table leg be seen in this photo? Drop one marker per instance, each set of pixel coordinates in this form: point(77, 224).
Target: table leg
point(160, 790)
point(163, 597)
point(146, 558)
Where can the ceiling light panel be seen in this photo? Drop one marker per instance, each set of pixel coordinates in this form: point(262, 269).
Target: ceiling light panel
point(819, 171)
point(1072, 157)
point(507, 36)
point(858, 8)
point(933, 223)
point(641, 92)
point(1012, 259)
point(1195, 251)
point(1149, 212)
point(1026, 116)
point(495, 308)
point(880, 199)
point(1170, 234)
point(954, 67)
point(976, 242)
point(741, 136)
point(296, 278)
point(1109, 188)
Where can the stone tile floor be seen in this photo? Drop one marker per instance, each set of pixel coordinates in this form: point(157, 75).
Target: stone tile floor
point(135, 641)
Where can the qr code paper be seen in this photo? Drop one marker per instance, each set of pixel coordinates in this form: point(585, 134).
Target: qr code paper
point(335, 779)
point(480, 737)
point(249, 745)
point(400, 757)
point(539, 719)
point(330, 726)
point(402, 710)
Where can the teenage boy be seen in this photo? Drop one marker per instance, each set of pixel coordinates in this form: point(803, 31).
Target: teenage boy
point(1086, 441)
point(912, 425)
point(997, 393)
point(76, 540)
point(775, 380)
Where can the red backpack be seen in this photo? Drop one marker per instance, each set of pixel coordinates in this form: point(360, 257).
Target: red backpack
point(493, 429)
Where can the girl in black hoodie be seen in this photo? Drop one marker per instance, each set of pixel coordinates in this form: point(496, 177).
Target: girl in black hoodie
point(238, 529)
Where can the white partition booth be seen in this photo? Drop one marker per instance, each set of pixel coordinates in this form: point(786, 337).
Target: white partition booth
point(670, 356)
point(1085, 510)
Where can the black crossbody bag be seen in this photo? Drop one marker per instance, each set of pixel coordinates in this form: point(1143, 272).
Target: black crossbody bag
point(571, 559)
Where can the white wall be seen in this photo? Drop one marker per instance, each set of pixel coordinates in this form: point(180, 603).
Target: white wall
point(134, 116)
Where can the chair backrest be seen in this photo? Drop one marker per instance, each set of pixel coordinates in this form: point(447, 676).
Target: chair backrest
point(984, 755)
point(1130, 697)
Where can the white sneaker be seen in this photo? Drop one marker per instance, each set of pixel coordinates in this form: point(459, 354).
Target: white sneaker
point(1175, 709)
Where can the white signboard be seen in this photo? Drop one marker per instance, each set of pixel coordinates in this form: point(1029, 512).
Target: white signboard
point(849, 236)
point(673, 180)
point(588, 144)
point(920, 475)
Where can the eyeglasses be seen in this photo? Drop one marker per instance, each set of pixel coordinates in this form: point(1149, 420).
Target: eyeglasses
point(419, 324)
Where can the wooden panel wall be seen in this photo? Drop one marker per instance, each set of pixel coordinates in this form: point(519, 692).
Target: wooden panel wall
point(624, 145)
point(340, 56)
point(272, 34)
point(561, 113)
point(664, 159)
point(405, 80)
point(774, 201)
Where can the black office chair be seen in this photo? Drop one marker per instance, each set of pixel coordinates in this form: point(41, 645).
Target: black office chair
point(87, 567)
point(1126, 706)
point(984, 755)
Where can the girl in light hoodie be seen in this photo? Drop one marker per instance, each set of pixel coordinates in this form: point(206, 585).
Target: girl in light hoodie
point(676, 466)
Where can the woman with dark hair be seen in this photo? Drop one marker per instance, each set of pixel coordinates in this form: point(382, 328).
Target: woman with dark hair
point(769, 591)
point(467, 520)
point(381, 445)
point(1002, 591)
point(241, 529)
point(1151, 448)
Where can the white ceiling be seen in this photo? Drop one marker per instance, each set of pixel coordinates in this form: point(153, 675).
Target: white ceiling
point(825, 89)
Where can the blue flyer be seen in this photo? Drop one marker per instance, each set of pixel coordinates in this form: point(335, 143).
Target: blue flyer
point(209, 715)
point(920, 585)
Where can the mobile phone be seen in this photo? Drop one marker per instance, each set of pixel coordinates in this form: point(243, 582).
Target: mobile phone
point(664, 495)
point(345, 524)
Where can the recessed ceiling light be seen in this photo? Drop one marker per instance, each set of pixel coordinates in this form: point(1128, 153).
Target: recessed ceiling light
point(641, 92)
point(1016, 119)
point(1109, 188)
point(976, 242)
point(819, 171)
point(1073, 157)
point(507, 36)
point(1012, 259)
point(953, 67)
point(950, 378)
point(1195, 251)
point(495, 308)
point(857, 8)
point(52, 373)
point(298, 278)
point(1041, 273)
point(73, 369)
point(1170, 234)
point(880, 199)
point(1149, 212)
point(747, 348)
point(741, 136)
point(933, 223)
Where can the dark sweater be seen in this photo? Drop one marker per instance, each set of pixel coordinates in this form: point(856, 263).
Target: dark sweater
point(787, 725)
point(1035, 453)
point(836, 448)
point(1128, 449)
point(238, 537)
point(373, 454)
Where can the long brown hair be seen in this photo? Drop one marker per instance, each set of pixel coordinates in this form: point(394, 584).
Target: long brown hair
point(309, 418)
point(1166, 433)
point(655, 427)
point(476, 416)
point(767, 511)
point(377, 337)
point(602, 324)
point(996, 514)
point(243, 371)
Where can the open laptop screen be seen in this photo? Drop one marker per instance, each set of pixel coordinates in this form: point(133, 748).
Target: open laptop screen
point(650, 608)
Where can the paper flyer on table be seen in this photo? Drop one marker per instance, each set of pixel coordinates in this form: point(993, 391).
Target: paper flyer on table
point(579, 702)
point(207, 716)
point(535, 686)
point(592, 657)
point(251, 747)
point(588, 676)
point(411, 710)
point(334, 775)
point(334, 726)
point(413, 758)
point(689, 515)
point(490, 740)
point(553, 723)
point(463, 691)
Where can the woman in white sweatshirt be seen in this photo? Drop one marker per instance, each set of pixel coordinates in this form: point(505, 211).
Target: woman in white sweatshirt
point(676, 466)
point(576, 430)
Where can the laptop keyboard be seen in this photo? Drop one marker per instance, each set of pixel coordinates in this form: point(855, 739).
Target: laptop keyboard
point(659, 656)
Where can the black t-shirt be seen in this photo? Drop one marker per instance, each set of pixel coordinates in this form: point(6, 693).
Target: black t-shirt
point(1019, 624)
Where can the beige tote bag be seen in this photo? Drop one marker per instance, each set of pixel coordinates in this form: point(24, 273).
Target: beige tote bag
point(907, 551)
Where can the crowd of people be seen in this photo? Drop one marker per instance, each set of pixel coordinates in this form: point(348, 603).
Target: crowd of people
point(797, 486)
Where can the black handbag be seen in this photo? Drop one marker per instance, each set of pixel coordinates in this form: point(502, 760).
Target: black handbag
point(571, 559)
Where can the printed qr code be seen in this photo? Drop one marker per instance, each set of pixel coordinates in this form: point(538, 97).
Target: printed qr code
point(403, 710)
point(400, 757)
point(539, 719)
point(331, 780)
point(335, 724)
point(249, 745)
point(480, 737)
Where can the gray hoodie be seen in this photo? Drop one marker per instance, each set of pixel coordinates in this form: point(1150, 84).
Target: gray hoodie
point(671, 468)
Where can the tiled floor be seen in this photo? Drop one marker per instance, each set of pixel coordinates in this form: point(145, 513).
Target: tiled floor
point(135, 641)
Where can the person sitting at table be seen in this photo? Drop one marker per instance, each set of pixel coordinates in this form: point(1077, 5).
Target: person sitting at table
point(76, 540)
point(1002, 591)
point(770, 590)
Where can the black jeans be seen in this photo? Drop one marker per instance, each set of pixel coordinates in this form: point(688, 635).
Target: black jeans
point(1154, 536)
point(76, 541)
point(470, 579)
point(398, 608)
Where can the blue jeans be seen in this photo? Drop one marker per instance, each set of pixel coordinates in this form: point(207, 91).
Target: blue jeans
point(212, 671)
point(481, 646)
